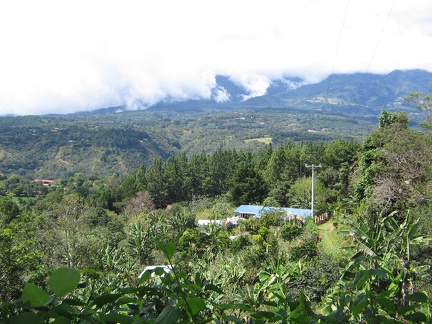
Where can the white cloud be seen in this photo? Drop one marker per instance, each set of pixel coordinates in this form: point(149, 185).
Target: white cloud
point(220, 94)
point(64, 56)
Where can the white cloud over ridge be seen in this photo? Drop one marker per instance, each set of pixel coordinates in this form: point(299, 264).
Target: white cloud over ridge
point(67, 56)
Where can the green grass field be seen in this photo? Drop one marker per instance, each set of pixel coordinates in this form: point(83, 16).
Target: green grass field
point(265, 140)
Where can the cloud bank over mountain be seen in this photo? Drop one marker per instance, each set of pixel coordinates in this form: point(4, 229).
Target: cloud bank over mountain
point(68, 56)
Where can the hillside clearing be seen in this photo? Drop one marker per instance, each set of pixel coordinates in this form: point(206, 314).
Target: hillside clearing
point(265, 140)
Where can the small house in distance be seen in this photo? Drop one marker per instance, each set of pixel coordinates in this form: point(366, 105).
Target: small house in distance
point(45, 182)
point(247, 211)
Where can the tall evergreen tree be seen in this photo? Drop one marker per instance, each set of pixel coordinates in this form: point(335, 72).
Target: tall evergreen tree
point(247, 185)
point(156, 184)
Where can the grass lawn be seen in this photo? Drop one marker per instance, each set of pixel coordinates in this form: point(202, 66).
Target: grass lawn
point(332, 242)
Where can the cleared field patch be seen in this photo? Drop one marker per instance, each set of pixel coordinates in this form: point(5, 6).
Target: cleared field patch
point(265, 140)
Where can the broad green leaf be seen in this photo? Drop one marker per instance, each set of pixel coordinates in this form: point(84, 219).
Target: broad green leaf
point(359, 304)
point(405, 309)
point(418, 297)
point(326, 310)
point(168, 249)
point(193, 286)
point(63, 281)
point(169, 315)
point(65, 310)
point(213, 288)
point(146, 276)
point(269, 303)
point(74, 301)
point(384, 320)
point(263, 276)
point(417, 317)
point(262, 314)
point(127, 300)
point(282, 312)
point(386, 304)
point(279, 296)
point(303, 310)
point(105, 299)
point(27, 318)
point(379, 273)
point(196, 304)
point(35, 295)
point(159, 271)
point(362, 277)
point(348, 276)
point(118, 318)
point(232, 319)
point(344, 300)
point(61, 320)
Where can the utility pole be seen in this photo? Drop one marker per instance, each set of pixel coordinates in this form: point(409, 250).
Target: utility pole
point(313, 167)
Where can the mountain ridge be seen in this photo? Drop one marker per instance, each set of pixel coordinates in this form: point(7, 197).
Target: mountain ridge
point(347, 94)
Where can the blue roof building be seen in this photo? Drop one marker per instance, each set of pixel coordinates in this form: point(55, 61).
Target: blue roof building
point(247, 211)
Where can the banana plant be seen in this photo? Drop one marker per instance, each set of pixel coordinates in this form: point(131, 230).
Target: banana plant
point(380, 279)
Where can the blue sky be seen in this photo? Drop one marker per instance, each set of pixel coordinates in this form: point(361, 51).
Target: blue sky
point(66, 56)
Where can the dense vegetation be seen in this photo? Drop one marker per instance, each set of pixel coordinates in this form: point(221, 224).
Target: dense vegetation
point(72, 252)
point(60, 146)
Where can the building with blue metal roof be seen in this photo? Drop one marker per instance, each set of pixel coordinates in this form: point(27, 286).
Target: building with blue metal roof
point(247, 211)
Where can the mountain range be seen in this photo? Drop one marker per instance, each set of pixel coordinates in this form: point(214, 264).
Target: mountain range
point(358, 94)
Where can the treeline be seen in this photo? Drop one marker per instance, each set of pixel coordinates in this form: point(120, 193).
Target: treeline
point(247, 176)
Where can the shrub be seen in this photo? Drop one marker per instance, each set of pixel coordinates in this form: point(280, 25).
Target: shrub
point(240, 243)
point(307, 250)
point(290, 232)
point(271, 218)
point(251, 225)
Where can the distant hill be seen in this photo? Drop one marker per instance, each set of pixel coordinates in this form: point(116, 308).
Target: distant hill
point(107, 143)
point(351, 94)
point(356, 93)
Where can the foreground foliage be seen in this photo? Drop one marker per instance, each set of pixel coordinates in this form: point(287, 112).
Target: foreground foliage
point(362, 294)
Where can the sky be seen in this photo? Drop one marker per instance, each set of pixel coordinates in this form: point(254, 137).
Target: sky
point(66, 56)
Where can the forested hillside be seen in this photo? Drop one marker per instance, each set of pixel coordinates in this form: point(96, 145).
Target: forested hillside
point(60, 146)
point(72, 251)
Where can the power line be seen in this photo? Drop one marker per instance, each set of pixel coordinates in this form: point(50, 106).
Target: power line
point(377, 45)
point(336, 54)
point(372, 56)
